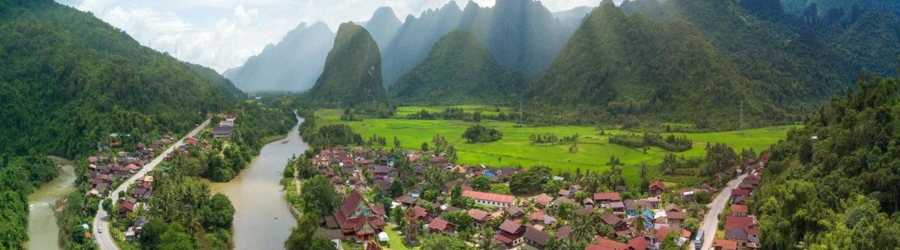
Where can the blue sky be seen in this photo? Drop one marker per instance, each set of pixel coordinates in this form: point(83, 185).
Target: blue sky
point(222, 34)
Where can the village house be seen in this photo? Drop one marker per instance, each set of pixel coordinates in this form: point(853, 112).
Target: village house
point(536, 238)
point(439, 225)
point(127, 206)
point(720, 244)
point(606, 198)
point(737, 192)
point(675, 219)
point(657, 188)
point(617, 223)
point(420, 214)
point(511, 233)
point(743, 230)
point(359, 219)
point(739, 210)
point(514, 212)
point(489, 199)
point(223, 132)
point(479, 218)
point(543, 200)
point(631, 206)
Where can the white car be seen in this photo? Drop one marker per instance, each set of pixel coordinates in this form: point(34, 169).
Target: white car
point(100, 229)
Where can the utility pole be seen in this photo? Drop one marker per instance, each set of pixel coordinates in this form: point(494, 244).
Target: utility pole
point(742, 118)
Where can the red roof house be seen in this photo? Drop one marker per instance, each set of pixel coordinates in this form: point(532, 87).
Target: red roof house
point(510, 233)
point(357, 218)
point(657, 187)
point(489, 199)
point(439, 225)
point(606, 198)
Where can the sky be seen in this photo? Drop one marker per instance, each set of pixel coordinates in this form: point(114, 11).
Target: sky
point(222, 34)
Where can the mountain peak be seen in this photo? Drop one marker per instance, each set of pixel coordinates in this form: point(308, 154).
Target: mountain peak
point(352, 72)
point(384, 13)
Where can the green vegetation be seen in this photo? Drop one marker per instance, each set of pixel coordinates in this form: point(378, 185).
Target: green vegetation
point(601, 68)
point(478, 133)
point(196, 218)
point(352, 74)
point(303, 235)
point(335, 135)
point(458, 70)
point(670, 143)
point(833, 184)
point(19, 176)
point(516, 148)
point(65, 72)
point(712, 56)
point(551, 139)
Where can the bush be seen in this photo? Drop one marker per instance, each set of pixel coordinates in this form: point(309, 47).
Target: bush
point(478, 133)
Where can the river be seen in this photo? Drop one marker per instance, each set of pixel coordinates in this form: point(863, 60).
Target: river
point(263, 219)
point(42, 229)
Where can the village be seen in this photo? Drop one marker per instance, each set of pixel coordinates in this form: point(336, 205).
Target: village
point(129, 209)
point(416, 193)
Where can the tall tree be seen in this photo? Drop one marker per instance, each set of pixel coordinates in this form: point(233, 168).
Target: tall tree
point(318, 196)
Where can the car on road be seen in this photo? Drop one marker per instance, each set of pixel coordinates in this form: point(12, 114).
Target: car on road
point(100, 229)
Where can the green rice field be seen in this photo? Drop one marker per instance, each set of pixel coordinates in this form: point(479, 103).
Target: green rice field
point(516, 149)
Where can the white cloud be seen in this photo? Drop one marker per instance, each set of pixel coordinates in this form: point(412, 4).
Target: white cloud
point(222, 34)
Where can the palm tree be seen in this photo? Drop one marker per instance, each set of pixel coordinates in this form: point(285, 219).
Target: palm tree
point(582, 229)
point(486, 242)
point(639, 223)
point(591, 181)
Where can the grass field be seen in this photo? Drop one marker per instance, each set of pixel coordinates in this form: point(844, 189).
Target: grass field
point(516, 149)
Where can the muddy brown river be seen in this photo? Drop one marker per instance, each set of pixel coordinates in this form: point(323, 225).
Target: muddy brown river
point(263, 219)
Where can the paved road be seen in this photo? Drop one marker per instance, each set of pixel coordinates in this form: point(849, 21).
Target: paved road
point(104, 240)
point(711, 221)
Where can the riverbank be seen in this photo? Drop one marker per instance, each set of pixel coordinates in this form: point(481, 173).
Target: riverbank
point(43, 230)
point(258, 226)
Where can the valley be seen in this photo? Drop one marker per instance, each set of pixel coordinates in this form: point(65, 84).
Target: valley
point(594, 150)
point(445, 125)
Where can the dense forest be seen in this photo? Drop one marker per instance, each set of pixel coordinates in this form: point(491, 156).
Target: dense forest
point(778, 65)
point(459, 70)
point(834, 183)
point(19, 176)
point(68, 80)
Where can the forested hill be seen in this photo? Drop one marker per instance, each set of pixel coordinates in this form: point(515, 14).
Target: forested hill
point(522, 35)
point(799, 7)
point(635, 66)
point(780, 65)
point(352, 73)
point(459, 70)
point(68, 80)
point(835, 184)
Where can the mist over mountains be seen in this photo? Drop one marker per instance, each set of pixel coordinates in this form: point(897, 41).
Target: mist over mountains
point(524, 36)
point(293, 64)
